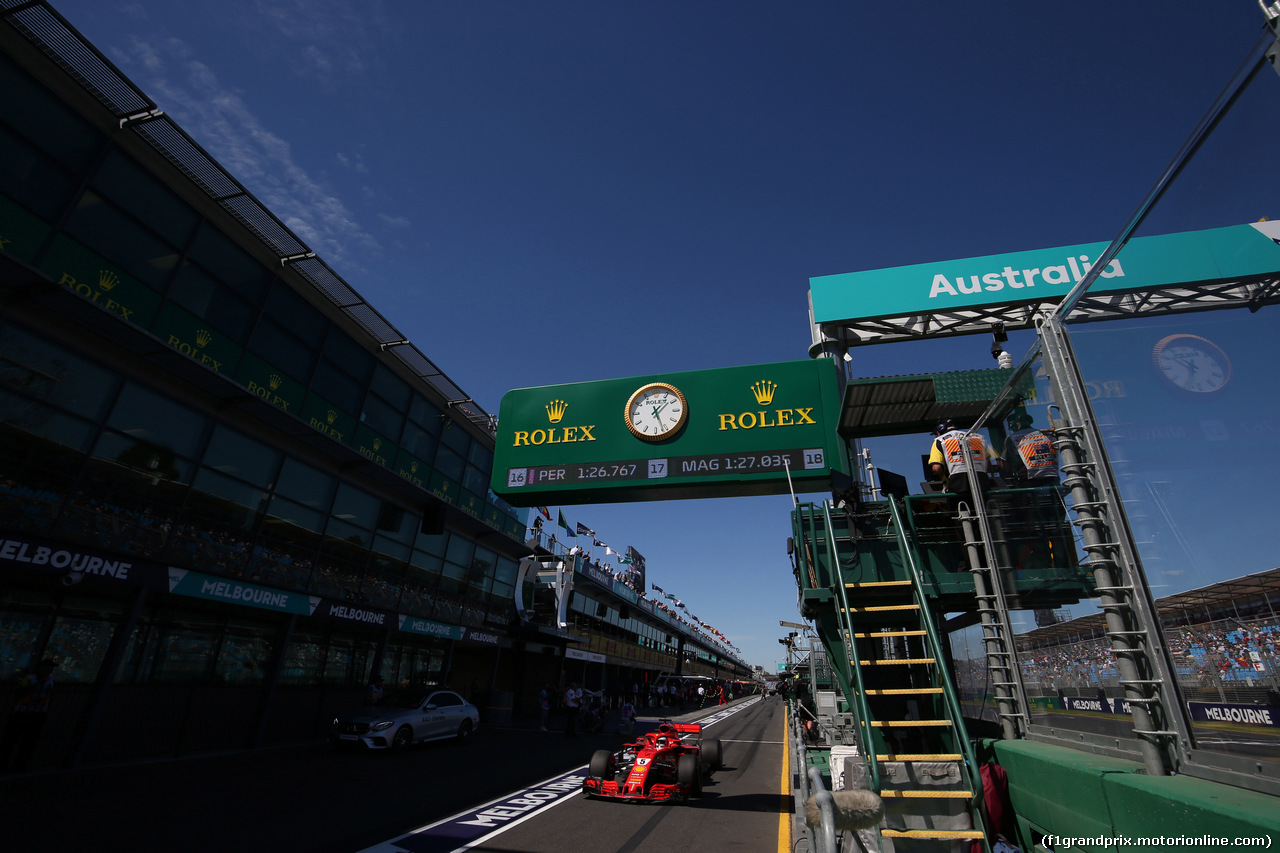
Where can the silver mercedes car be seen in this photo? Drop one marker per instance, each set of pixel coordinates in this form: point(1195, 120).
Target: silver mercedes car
point(405, 717)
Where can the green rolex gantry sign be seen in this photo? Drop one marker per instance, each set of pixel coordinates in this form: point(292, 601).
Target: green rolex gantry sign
point(696, 434)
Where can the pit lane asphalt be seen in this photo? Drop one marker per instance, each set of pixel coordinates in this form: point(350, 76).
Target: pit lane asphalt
point(310, 800)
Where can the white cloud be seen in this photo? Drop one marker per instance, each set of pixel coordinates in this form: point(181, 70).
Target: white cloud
point(220, 121)
point(134, 10)
point(336, 40)
point(354, 162)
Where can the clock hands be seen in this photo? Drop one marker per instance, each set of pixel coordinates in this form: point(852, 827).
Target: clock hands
point(655, 412)
point(1192, 363)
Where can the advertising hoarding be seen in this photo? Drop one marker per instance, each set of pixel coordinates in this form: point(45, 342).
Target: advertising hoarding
point(703, 433)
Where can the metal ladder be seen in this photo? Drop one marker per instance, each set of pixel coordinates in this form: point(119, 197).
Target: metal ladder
point(997, 633)
point(1132, 626)
point(1133, 643)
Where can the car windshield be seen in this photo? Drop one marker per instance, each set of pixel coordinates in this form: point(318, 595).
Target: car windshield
point(405, 699)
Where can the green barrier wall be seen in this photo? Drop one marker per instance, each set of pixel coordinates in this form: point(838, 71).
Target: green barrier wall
point(1113, 805)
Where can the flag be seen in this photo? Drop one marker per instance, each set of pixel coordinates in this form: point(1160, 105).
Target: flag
point(584, 530)
point(599, 544)
point(609, 550)
point(655, 586)
point(544, 512)
point(565, 524)
point(627, 561)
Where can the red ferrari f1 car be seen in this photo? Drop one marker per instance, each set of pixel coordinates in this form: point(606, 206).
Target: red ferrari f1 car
point(664, 765)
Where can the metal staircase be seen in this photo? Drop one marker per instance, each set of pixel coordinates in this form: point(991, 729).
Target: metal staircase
point(877, 615)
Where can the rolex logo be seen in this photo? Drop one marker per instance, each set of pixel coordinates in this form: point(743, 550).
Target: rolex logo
point(555, 410)
point(331, 416)
point(203, 336)
point(274, 381)
point(413, 467)
point(107, 279)
point(763, 391)
point(377, 444)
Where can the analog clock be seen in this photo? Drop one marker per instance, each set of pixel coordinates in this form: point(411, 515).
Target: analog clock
point(1192, 363)
point(656, 411)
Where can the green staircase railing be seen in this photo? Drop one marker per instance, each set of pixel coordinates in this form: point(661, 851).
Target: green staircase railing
point(941, 674)
point(854, 595)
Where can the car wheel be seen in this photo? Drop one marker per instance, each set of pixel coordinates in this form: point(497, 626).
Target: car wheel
point(712, 757)
point(600, 763)
point(402, 740)
point(689, 773)
point(464, 731)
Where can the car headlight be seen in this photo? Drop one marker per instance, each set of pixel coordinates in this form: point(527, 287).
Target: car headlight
point(382, 724)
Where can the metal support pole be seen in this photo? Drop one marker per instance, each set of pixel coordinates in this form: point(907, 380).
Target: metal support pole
point(825, 831)
point(98, 696)
point(1142, 658)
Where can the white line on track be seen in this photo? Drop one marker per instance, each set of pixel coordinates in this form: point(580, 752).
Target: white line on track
point(1237, 742)
point(496, 804)
point(766, 742)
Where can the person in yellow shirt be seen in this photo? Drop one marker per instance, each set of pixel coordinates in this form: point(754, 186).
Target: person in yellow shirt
point(954, 452)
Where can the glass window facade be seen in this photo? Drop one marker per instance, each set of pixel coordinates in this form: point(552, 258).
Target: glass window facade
point(113, 461)
point(31, 178)
point(154, 478)
point(132, 245)
point(44, 121)
point(143, 197)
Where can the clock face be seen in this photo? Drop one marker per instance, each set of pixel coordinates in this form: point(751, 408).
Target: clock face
point(1192, 363)
point(656, 411)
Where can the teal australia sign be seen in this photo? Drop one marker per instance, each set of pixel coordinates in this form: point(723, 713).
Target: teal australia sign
point(1046, 275)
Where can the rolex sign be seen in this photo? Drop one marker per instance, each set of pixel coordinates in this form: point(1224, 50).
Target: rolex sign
point(753, 430)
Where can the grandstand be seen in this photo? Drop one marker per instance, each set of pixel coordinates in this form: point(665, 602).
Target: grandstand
point(1223, 639)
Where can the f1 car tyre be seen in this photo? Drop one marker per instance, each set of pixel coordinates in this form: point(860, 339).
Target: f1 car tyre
point(688, 772)
point(464, 731)
point(712, 758)
point(402, 740)
point(600, 763)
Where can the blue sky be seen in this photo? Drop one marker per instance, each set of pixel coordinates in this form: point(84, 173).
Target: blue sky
point(546, 192)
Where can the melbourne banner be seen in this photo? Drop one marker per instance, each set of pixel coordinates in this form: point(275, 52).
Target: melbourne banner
point(76, 564)
point(1250, 715)
point(1203, 712)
